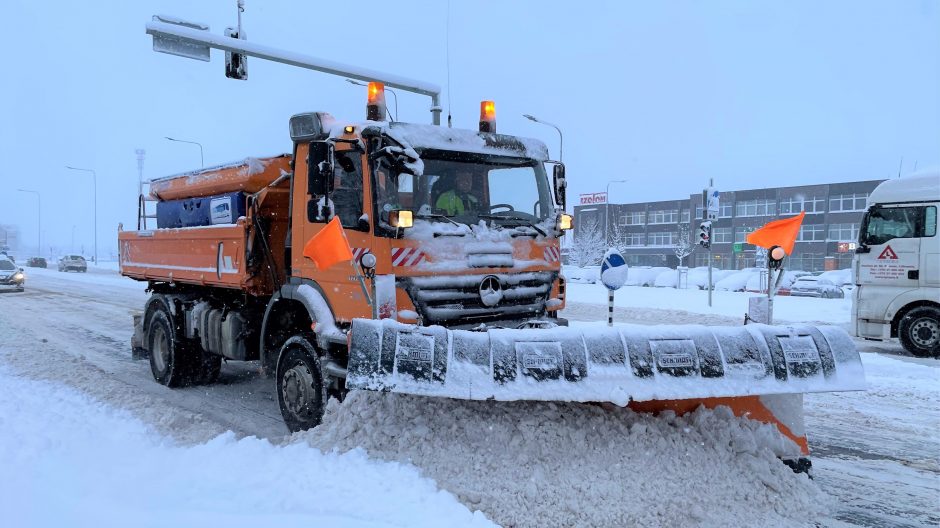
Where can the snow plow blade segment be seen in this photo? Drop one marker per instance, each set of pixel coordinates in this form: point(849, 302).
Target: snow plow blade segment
point(617, 365)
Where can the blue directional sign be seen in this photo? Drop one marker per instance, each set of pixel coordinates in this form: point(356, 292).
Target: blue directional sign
point(613, 270)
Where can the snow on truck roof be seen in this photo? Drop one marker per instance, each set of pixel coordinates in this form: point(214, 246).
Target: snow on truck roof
point(463, 140)
point(920, 187)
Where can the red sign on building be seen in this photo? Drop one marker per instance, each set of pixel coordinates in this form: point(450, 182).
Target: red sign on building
point(594, 198)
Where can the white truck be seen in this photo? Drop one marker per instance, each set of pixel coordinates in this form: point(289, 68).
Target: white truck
point(897, 265)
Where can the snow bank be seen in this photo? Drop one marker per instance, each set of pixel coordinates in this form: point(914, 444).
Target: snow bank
point(546, 464)
point(82, 463)
point(726, 303)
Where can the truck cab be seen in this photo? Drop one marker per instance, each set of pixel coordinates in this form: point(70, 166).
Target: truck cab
point(897, 265)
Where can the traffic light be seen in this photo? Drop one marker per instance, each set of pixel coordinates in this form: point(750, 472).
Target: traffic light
point(775, 257)
point(705, 234)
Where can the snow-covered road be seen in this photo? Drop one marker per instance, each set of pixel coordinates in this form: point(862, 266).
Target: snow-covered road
point(876, 453)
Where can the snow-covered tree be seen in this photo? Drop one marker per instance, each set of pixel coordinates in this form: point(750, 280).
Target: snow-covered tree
point(684, 244)
point(588, 246)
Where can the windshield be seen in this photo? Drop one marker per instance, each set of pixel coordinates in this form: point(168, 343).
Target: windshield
point(6, 265)
point(468, 188)
point(882, 224)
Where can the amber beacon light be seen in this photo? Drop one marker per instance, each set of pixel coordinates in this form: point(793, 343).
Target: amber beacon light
point(487, 116)
point(375, 109)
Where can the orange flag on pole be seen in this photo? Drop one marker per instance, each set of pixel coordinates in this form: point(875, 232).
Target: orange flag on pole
point(781, 233)
point(329, 246)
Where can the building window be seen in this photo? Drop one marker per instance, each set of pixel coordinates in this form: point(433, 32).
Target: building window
point(795, 204)
point(633, 218)
point(684, 216)
point(725, 210)
point(848, 202)
point(740, 234)
point(843, 232)
point(721, 235)
point(699, 211)
point(756, 208)
point(634, 239)
point(665, 216)
point(812, 233)
point(662, 239)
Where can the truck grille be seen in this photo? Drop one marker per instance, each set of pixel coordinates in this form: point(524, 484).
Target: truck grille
point(456, 299)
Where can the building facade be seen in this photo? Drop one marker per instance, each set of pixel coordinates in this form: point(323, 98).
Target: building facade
point(647, 233)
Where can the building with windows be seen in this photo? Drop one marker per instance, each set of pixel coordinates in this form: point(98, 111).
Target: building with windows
point(647, 233)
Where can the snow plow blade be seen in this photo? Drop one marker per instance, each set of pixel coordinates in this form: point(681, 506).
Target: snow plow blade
point(617, 365)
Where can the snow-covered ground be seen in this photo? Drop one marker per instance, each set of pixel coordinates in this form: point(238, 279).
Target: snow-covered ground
point(88, 437)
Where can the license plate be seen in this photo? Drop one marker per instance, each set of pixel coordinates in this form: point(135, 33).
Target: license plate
point(799, 349)
point(676, 360)
point(538, 361)
point(415, 347)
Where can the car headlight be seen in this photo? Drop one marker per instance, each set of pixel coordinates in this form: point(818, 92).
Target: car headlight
point(18, 276)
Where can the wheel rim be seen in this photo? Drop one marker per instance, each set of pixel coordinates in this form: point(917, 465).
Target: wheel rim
point(160, 349)
point(297, 389)
point(925, 332)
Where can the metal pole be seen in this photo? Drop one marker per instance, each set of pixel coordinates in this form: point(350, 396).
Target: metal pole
point(561, 138)
point(610, 307)
point(202, 162)
point(607, 211)
point(38, 220)
point(709, 274)
point(163, 30)
point(94, 180)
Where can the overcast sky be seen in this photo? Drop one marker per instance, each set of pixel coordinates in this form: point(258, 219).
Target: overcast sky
point(663, 94)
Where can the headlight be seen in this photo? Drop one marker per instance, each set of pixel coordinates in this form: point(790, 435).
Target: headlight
point(18, 276)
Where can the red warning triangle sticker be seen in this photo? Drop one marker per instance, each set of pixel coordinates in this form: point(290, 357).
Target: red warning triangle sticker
point(888, 253)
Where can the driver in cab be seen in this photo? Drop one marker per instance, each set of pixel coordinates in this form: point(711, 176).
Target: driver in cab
point(458, 199)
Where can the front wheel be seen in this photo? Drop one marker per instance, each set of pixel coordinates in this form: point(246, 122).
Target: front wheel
point(919, 331)
point(300, 390)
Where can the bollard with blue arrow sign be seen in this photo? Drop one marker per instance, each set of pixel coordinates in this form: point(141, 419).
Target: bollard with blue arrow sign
point(613, 275)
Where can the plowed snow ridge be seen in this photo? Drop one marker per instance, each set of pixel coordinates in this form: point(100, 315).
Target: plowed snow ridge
point(544, 464)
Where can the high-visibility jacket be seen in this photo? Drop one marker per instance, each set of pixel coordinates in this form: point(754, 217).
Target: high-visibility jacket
point(454, 203)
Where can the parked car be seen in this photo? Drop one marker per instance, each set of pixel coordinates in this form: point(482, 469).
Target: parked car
point(36, 262)
point(815, 287)
point(73, 263)
point(11, 277)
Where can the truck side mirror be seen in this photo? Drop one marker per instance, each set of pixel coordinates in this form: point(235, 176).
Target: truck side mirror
point(560, 184)
point(320, 168)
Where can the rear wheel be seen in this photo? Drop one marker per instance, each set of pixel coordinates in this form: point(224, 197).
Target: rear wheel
point(171, 361)
point(300, 390)
point(919, 331)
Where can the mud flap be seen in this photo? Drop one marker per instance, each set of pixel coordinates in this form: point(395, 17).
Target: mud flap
point(617, 365)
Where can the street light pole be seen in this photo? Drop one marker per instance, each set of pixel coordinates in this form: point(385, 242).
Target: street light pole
point(607, 211)
point(387, 89)
point(561, 139)
point(202, 161)
point(94, 179)
point(38, 220)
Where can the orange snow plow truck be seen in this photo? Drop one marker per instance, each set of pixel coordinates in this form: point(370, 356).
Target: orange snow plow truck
point(453, 289)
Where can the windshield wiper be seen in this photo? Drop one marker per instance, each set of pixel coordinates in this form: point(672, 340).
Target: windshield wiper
point(523, 221)
point(437, 216)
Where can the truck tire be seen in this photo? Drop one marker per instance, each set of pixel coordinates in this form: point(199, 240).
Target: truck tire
point(300, 390)
point(919, 331)
point(171, 360)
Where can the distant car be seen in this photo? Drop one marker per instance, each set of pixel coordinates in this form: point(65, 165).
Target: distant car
point(36, 262)
point(11, 277)
point(811, 286)
point(73, 263)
